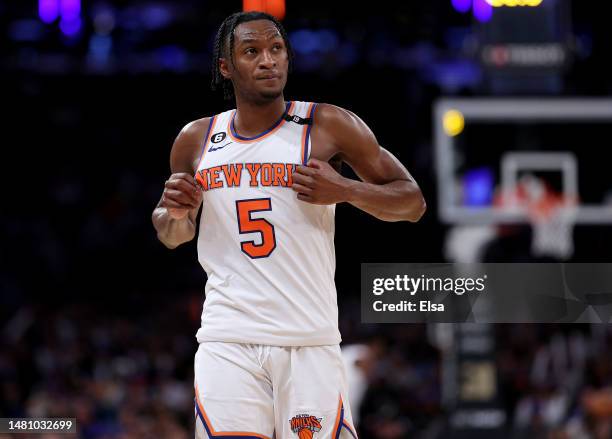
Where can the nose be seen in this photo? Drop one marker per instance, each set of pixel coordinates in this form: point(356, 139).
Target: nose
point(267, 61)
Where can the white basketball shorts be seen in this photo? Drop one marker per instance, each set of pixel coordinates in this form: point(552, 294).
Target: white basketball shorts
point(250, 391)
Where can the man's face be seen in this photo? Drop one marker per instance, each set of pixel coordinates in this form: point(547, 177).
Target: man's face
point(260, 63)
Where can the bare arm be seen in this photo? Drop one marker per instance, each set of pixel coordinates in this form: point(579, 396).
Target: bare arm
point(174, 217)
point(387, 190)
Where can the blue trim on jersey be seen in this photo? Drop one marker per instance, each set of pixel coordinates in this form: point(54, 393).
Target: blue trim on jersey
point(306, 147)
point(212, 122)
point(337, 435)
point(349, 430)
point(235, 134)
point(214, 435)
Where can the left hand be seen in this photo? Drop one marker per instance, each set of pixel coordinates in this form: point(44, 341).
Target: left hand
point(319, 183)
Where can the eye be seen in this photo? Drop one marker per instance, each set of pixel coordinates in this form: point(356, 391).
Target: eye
point(277, 46)
point(250, 50)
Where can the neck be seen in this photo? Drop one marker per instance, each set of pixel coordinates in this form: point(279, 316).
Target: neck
point(253, 118)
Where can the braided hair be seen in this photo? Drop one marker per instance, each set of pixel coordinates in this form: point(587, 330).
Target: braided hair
point(227, 30)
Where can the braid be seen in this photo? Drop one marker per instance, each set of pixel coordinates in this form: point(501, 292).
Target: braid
point(219, 50)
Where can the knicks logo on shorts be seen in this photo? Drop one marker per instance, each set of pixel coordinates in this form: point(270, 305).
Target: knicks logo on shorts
point(305, 426)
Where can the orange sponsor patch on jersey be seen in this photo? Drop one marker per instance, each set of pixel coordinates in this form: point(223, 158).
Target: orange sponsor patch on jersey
point(305, 426)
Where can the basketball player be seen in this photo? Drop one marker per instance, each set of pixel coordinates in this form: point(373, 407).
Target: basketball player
point(269, 363)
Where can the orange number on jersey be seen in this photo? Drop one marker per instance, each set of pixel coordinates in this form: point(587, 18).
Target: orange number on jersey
point(246, 224)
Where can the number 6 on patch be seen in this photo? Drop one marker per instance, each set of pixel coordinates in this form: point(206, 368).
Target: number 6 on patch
point(246, 224)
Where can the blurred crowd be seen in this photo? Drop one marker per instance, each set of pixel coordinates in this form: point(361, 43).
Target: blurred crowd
point(120, 376)
point(127, 373)
point(556, 380)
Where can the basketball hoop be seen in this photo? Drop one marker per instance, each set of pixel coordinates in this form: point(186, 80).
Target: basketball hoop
point(552, 219)
point(552, 216)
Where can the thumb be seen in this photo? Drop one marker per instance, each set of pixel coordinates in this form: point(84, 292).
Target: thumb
point(314, 163)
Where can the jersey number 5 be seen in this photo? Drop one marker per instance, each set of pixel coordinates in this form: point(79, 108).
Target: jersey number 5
point(246, 224)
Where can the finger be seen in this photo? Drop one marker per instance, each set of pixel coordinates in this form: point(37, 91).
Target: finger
point(315, 163)
point(304, 197)
point(182, 178)
point(181, 185)
point(190, 179)
point(169, 203)
point(304, 180)
point(199, 185)
point(176, 181)
point(304, 170)
point(301, 189)
point(181, 197)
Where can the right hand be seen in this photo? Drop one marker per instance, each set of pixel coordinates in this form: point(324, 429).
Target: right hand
point(181, 194)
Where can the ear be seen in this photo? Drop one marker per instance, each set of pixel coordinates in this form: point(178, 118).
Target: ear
point(224, 68)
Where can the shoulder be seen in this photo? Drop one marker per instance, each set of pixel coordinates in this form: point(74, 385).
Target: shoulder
point(326, 113)
point(341, 119)
point(322, 112)
point(195, 129)
point(188, 144)
point(341, 124)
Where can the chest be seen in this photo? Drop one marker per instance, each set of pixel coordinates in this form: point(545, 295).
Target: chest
point(229, 162)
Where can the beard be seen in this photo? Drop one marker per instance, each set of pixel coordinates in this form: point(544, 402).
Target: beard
point(264, 97)
point(259, 96)
point(270, 95)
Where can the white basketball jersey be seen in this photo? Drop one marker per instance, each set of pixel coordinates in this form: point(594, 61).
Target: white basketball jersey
point(269, 257)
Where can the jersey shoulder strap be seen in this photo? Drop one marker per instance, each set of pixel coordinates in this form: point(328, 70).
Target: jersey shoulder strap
point(302, 115)
point(217, 122)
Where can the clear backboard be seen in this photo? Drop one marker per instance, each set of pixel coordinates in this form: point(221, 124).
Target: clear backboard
point(487, 149)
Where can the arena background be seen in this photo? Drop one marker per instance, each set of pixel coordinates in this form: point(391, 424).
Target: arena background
point(98, 319)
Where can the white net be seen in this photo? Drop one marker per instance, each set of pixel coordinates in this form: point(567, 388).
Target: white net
point(553, 232)
point(551, 215)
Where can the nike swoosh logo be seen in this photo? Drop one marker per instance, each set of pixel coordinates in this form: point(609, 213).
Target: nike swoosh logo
point(219, 147)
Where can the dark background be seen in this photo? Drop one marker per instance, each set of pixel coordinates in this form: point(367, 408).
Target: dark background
point(98, 318)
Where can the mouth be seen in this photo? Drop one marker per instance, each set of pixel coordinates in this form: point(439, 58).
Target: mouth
point(268, 77)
